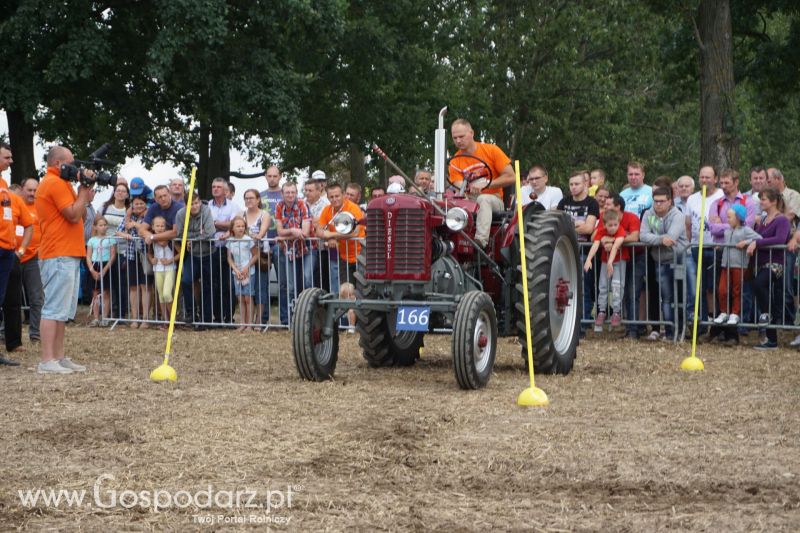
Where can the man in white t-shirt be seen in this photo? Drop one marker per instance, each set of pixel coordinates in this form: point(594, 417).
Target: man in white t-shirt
point(694, 222)
point(537, 184)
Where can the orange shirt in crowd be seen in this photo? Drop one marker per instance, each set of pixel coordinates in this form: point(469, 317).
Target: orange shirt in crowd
point(60, 238)
point(33, 245)
point(14, 212)
point(348, 249)
point(494, 157)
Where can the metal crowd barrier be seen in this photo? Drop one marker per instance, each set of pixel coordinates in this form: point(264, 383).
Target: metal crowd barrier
point(782, 291)
point(208, 295)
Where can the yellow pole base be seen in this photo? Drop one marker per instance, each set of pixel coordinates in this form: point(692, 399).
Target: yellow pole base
point(532, 397)
point(692, 364)
point(164, 373)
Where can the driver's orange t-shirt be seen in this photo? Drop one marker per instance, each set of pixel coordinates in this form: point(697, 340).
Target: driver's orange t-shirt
point(494, 157)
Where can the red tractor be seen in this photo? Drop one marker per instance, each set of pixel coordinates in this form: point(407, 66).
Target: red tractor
point(420, 269)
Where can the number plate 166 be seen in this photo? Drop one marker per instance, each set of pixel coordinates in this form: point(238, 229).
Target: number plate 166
point(413, 318)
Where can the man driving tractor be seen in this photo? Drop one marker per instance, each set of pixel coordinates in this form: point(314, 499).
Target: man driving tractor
point(480, 164)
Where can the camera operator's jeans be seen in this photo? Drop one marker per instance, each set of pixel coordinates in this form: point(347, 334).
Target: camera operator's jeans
point(706, 280)
point(634, 283)
point(222, 295)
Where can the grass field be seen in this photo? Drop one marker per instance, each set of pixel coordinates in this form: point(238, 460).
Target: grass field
point(629, 442)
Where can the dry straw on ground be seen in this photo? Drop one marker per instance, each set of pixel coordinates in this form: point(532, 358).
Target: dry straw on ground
point(629, 442)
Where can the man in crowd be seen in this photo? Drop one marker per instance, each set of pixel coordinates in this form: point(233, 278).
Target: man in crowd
point(791, 198)
point(270, 198)
point(536, 185)
point(353, 192)
point(294, 269)
point(223, 210)
point(584, 212)
point(685, 188)
point(177, 190)
point(60, 211)
point(718, 223)
point(377, 192)
point(10, 250)
point(597, 178)
point(164, 206)
point(197, 266)
point(29, 262)
point(638, 197)
point(316, 203)
point(758, 181)
point(695, 223)
point(423, 180)
point(664, 230)
point(489, 196)
point(347, 245)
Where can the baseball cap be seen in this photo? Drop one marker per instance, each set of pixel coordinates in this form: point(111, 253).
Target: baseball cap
point(318, 175)
point(136, 186)
point(395, 188)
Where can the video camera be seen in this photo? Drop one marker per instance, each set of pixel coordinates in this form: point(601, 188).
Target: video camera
point(95, 161)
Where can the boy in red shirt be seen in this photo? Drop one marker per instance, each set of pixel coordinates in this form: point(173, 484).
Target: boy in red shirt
point(612, 268)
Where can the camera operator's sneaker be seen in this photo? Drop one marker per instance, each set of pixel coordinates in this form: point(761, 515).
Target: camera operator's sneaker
point(52, 367)
point(721, 318)
point(654, 336)
point(796, 342)
point(763, 319)
point(733, 319)
point(599, 321)
point(68, 363)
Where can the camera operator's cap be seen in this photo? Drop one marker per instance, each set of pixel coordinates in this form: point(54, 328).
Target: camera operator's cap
point(136, 186)
point(318, 175)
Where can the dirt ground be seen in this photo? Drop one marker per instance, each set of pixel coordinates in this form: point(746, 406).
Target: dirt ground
point(628, 443)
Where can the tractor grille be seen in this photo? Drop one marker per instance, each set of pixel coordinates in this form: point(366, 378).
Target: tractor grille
point(408, 242)
point(376, 242)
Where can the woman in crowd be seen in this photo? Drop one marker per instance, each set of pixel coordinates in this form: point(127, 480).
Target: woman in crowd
point(258, 222)
point(774, 231)
point(114, 210)
point(139, 284)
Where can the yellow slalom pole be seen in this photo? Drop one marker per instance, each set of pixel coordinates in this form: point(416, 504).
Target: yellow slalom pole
point(693, 363)
point(532, 396)
point(164, 372)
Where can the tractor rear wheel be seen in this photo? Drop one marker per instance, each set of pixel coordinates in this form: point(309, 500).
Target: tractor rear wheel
point(314, 357)
point(554, 292)
point(474, 340)
point(381, 345)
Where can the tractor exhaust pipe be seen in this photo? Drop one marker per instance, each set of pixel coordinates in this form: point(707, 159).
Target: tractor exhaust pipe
point(439, 155)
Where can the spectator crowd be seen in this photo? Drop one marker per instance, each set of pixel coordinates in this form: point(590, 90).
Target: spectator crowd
point(640, 251)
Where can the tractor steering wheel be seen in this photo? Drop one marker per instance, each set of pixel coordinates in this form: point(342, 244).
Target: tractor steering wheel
point(481, 171)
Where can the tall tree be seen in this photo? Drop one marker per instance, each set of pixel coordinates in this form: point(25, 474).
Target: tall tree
point(718, 143)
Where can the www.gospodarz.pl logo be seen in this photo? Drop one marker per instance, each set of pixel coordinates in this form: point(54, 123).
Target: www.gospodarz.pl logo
point(267, 500)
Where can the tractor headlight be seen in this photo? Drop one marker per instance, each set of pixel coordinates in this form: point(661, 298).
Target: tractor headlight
point(456, 219)
point(344, 223)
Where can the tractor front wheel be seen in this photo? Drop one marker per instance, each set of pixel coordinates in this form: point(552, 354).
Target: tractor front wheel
point(474, 340)
point(314, 356)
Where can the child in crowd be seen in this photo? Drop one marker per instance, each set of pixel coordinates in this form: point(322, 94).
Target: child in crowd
point(101, 251)
point(348, 292)
point(242, 256)
point(615, 256)
point(734, 263)
point(162, 257)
